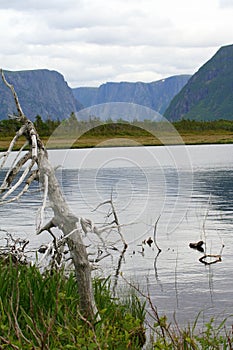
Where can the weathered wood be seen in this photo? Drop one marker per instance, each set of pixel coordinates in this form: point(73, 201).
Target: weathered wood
point(67, 222)
point(63, 218)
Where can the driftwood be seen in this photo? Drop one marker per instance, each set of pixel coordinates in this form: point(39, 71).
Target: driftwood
point(14, 250)
point(35, 165)
point(198, 246)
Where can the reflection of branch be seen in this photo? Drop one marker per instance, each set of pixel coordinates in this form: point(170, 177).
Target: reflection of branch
point(217, 257)
point(155, 266)
point(205, 217)
point(155, 229)
point(118, 269)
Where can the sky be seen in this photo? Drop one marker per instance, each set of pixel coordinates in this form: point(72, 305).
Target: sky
point(91, 42)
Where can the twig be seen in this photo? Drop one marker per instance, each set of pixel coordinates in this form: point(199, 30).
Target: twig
point(11, 87)
point(29, 180)
point(90, 325)
point(13, 171)
point(19, 182)
point(47, 227)
point(42, 208)
point(155, 231)
point(116, 220)
point(19, 133)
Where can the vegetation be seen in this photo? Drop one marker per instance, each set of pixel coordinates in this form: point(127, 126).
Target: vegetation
point(40, 311)
point(46, 310)
point(186, 125)
point(93, 132)
point(212, 337)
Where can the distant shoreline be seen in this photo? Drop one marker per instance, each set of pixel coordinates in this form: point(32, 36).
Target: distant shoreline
point(202, 138)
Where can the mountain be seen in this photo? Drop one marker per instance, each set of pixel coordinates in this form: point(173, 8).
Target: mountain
point(156, 95)
point(41, 92)
point(208, 94)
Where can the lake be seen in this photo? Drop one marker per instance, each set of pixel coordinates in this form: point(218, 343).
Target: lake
point(189, 188)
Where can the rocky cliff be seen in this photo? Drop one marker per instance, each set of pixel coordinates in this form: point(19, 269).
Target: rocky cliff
point(156, 95)
point(41, 92)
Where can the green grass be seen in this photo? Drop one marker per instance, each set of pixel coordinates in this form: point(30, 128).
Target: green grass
point(41, 312)
point(210, 337)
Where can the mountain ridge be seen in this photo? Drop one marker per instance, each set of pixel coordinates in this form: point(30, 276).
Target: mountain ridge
point(41, 92)
point(208, 95)
point(155, 95)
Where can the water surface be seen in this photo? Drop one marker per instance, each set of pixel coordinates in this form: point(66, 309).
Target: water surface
point(189, 188)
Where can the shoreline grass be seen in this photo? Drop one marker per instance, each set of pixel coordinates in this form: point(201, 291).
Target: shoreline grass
point(40, 311)
point(87, 141)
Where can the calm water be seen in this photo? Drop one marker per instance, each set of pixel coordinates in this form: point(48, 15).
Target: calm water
point(189, 187)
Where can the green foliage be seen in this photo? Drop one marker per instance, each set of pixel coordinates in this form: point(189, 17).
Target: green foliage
point(8, 127)
point(95, 128)
point(41, 312)
point(45, 128)
point(211, 337)
point(187, 125)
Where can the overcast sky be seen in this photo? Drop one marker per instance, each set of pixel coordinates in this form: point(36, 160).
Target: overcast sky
point(94, 41)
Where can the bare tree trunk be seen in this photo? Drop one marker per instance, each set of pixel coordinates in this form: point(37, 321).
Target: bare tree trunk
point(63, 218)
point(67, 223)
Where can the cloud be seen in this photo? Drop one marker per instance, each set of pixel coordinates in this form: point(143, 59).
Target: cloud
point(225, 3)
point(29, 5)
point(91, 41)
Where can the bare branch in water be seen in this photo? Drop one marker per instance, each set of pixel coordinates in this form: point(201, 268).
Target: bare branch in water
point(155, 232)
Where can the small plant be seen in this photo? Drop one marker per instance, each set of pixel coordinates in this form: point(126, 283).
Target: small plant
point(212, 337)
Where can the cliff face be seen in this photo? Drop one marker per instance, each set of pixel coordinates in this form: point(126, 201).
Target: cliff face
point(208, 95)
point(156, 95)
point(41, 92)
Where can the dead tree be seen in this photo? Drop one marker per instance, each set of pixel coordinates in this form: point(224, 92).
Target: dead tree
point(35, 165)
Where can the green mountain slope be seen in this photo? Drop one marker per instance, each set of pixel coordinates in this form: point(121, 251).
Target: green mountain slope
point(208, 95)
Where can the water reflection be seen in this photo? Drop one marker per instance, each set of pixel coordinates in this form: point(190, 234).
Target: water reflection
point(218, 183)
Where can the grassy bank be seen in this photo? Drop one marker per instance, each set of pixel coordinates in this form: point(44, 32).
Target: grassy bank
point(86, 140)
point(94, 134)
point(41, 312)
